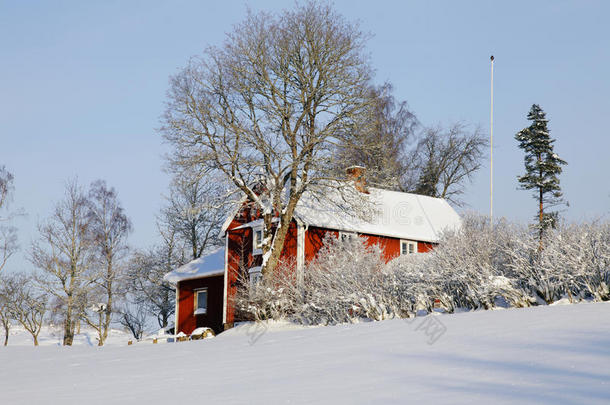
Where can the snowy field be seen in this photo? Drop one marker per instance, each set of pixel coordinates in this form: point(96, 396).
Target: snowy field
point(554, 354)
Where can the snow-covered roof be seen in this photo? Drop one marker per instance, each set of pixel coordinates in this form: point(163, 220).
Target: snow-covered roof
point(232, 214)
point(212, 264)
point(257, 223)
point(381, 212)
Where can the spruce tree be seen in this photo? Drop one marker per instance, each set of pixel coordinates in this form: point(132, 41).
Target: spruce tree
point(542, 167)
point(428, 180)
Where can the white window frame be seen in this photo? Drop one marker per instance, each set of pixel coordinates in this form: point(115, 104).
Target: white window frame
point(257, 243)
point(343, 236)
point(410, 244)
point(255, 275)
point(196, 309)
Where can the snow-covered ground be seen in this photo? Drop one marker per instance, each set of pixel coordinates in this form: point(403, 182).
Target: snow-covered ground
point(53, 336)
point(554, 354)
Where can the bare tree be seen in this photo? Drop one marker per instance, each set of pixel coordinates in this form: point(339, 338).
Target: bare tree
point(29, 305)
point(6, 185)
point(133, 316)
point(267, 109)
point(8, 243)
point(64, 253)
point(7, 293)
point(146, 272)
point(109, 227)
point(8, 234)
point(444, 160)
point(381, 141)
point(196, 209)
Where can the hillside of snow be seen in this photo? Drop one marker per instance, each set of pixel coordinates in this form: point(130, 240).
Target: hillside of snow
point(53, 336)
point(549, 354)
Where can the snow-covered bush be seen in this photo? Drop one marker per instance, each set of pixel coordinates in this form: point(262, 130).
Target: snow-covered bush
point(467, 270)
point(579, 257)
point(476, 267)
point(271, 297)
point(344, 283)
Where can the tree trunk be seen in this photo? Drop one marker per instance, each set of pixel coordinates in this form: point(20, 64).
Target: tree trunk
point(194, 242)
point(35, 340)
point(540, 209)
point(68, 328)
point(280, 236)
point(107, 318)
point(541, 219)
point(5, 337)
point(276, 252)
point(108, 311)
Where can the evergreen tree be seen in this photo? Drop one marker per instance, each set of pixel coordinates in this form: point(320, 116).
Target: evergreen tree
point(428, 180)
point(542, 166)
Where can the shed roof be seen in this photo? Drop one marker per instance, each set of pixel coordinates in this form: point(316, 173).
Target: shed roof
point(212, 264)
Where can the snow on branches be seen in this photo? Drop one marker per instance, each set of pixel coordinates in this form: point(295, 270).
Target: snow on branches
point(473, 268)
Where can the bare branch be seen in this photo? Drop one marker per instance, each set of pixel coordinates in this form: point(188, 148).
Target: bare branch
point(265, 109)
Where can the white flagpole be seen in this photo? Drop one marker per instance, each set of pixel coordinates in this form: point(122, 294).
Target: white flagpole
point(491, 145)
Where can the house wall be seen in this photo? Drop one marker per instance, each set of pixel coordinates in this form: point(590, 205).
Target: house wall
point(424, 247)
point(240, 258)
point(314, 238)
point(289, 251)
point(187, 320)
point(240, 255)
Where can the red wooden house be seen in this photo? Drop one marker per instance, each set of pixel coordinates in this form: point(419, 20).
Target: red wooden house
point(401, 223)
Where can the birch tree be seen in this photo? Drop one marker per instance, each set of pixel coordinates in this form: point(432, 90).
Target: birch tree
point(109, 227)
point(382, 140)
point(267, 109)
point(63, 252)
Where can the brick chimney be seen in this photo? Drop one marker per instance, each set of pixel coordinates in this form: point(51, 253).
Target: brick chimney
point(357, 174)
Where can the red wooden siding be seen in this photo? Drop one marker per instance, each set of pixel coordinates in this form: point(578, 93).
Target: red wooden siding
point(187, 320)
point(424, 247)
point(239, 258)
point(289, 251)
point(314, 238)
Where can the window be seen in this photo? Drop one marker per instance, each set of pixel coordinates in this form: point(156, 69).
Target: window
point(255, 275)
point(347, 236)
point(257, 241)
point(408, 247)
point(201, 301)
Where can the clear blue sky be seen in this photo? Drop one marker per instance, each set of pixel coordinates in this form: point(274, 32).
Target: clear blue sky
point(82, 86)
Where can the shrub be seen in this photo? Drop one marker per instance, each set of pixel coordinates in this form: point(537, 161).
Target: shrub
point(476, 267)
